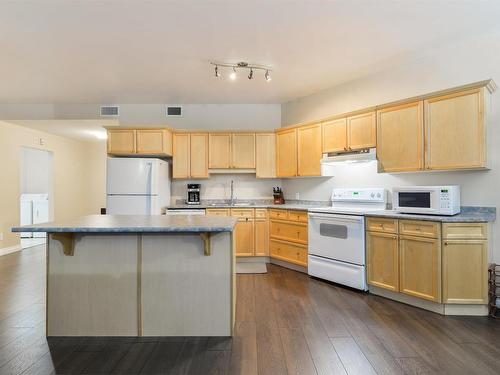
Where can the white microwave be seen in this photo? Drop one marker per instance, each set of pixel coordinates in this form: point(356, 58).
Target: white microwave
point(430, 200)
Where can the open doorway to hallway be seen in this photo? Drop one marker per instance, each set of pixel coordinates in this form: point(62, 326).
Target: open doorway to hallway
point(36, 199)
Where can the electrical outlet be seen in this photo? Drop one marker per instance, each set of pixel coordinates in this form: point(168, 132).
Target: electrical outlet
point(297, 196)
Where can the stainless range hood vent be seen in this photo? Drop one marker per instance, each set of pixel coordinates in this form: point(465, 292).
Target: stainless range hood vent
point(360, 156)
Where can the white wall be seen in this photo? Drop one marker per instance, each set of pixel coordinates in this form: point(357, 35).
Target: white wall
point(461, 63)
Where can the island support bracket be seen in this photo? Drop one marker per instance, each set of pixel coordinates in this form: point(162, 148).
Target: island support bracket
point(67, 242)
point(205, 237)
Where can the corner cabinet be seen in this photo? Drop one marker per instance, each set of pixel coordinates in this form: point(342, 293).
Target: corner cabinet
point(286, 153)
point(309, 150)
point(400, 133)
point(455, 131)
point(265, 155)
point(190, 155)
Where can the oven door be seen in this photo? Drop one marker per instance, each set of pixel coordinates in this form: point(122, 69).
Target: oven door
point(337, 237)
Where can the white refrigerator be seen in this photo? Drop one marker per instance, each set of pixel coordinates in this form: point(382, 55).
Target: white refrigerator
point(137, 186)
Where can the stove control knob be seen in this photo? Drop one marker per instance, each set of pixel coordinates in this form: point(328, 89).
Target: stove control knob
point(372, 195)
point(379, 195)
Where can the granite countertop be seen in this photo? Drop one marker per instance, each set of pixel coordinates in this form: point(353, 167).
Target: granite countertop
point(468, 214)
point(135, 224)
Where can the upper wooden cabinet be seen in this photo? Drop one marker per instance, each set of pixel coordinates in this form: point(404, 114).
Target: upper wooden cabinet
point(335, 135)
point(309, 150)
point(121, 142)
point(286, 153)
point(190, 159)
point(199, 155)
point(243, 150)
point(140, 142)
point(361, 131)
point(455, 130)
point(265, 154)
point(400, 133)
point(219, 150)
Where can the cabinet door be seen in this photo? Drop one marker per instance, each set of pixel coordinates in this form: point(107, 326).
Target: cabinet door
point(199, 155)
point(181, 151)
point(243, 150)
point(465, 271)
point(420, 267)
point(286, 153)
point(219, 151)
point(383, 260)
point(400, 133)
point(261, 237)
point(121, 142)
point(309, 150)
point(454, 131)
point(265, 150)
point(153, 142)
point(335, 135)
point(245, 240)
point(361, 131)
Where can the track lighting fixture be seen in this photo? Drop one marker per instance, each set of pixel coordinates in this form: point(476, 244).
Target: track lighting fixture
point(241, 65)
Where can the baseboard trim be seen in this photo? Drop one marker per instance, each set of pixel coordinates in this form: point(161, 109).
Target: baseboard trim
point(291, 266)
point(439, 308)
point(10, 249)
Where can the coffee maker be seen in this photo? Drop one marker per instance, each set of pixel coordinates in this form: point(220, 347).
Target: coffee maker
point(193, 194)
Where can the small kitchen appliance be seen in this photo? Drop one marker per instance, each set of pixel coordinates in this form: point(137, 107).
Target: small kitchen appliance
point(430, 200)
point(193, 194)
point(337, 236)
point(278, 195)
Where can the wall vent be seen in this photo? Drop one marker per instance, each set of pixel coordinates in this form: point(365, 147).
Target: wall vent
point(110, 111)
point(174, 111)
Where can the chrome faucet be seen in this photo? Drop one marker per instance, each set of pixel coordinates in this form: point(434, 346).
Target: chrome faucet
point(231, 201)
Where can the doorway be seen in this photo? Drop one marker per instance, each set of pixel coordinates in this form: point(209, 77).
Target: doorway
point(36, 195)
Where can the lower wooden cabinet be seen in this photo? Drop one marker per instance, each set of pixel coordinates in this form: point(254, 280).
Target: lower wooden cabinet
point(465, 263)
point(383, 260)
point(245, 237)
point(288, 252)
point(288, 236)
point(420, 267)
point(261, 233)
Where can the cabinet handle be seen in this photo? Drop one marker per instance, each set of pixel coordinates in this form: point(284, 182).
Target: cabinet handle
point(345, 148)
point(298, 234)
point(446, 243)
point(350, 149)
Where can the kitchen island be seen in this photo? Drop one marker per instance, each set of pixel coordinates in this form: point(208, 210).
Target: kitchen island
point(140, 276)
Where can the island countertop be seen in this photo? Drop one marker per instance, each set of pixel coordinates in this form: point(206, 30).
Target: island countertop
point(135, 224)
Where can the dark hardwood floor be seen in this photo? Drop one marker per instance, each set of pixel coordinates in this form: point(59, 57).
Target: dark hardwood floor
point(287, 323)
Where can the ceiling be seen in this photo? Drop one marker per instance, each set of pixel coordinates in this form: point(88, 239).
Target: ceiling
point(124, 51)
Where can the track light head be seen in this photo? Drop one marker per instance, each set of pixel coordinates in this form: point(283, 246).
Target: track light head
point(232, 76)
point(217, 73)
point(250, 75)
point(267, 76)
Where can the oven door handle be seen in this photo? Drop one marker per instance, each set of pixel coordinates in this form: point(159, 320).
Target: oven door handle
point(334, 217)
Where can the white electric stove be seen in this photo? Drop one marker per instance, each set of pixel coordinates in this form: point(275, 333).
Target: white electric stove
point(337, 236)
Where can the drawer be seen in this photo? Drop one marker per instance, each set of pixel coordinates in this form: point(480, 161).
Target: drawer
point(278, 214)
point(261, 213)
point(218, 212)
point(289, 231)
point(419, 228)
point(465, 231)
point(288, 252)
point(379, 224)
point(242, 212)
point(300, 216)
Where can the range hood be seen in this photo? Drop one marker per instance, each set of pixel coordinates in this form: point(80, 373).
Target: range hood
point(360, 156)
